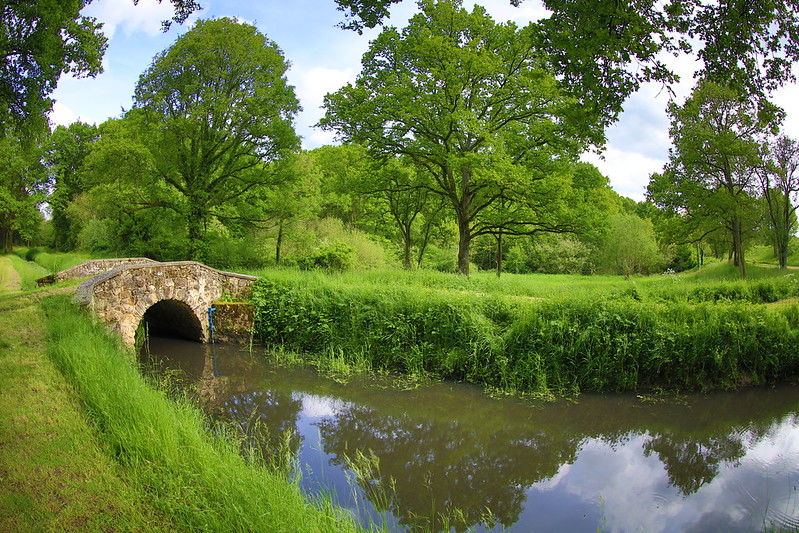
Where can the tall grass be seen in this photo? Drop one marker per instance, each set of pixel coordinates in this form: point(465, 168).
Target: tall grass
point(197, 477)
point(28, 271)
point(606, 341)
point(56, 262)
point(717, 282)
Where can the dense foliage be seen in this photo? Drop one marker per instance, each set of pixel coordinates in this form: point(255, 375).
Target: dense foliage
point(469, 133)
point(475, 105)
point(40, 41)
point(688, 338)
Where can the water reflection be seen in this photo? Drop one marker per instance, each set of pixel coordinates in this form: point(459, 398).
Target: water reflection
point(701, 463)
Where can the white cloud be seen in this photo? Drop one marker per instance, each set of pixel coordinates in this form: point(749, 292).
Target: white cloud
point(788, 99)
point(312, 86)
point(61, 115)
point(314, 406)
point(628, 171)
point(145, 17)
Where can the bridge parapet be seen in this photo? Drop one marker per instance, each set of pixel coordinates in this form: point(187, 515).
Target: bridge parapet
point(91, 267)
point(121, 296)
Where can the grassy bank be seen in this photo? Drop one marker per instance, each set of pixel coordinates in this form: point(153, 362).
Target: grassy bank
point(190, 474)
point(90, 445)
point(688, 333)
point(55, 474)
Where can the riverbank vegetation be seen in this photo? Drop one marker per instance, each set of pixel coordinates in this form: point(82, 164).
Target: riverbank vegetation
point(91, 445)
point(543, 334)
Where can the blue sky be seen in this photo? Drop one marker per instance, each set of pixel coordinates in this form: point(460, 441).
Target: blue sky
point(324, 58)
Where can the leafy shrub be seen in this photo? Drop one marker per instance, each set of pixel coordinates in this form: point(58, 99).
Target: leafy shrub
point(598, 344)
point(334, 257)
point(683, 259)
point(230, 253)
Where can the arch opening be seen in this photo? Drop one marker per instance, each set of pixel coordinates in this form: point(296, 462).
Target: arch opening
point(173, 318)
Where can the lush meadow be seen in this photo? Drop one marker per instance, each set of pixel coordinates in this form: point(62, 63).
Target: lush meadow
point(542, 334)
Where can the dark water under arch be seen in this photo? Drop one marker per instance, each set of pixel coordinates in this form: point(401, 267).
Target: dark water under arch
point(173, 318)
point(715, 462)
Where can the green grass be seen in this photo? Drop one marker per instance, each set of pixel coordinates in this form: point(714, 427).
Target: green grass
point(536, 334)
point(89, 445)
point(29, 271)
point(190, 474)
point(765, 254)
point(55, 474)
point(524, 286)
point(56, 262)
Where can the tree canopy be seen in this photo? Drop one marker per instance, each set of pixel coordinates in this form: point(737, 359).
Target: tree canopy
point(214, 108)
point(42, 40)
point(473, 104)
point(713, 166)
point(608, 48)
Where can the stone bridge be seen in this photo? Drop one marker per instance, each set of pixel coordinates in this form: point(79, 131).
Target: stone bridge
point(173, 297)
point(92, 267)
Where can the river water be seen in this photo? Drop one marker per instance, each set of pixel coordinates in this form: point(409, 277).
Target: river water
point(455, 457)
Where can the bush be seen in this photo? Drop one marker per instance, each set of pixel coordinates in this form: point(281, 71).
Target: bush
point(592, 343)
point(333, 257)
point(229, 253)
point(683, 259)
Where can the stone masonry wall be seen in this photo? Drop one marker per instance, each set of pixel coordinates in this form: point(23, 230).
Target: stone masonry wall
point(92, 267)
point(121, 296)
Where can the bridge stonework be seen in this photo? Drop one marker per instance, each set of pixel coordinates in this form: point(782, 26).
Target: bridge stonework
point(121, 296)
point(92, 267)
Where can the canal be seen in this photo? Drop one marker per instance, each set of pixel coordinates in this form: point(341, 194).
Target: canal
point(445, 455)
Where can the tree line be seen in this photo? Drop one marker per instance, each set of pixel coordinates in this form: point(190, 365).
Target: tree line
point(458, 130)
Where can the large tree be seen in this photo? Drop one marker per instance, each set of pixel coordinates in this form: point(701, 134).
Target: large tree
point(215, 109)
point(713, 166)
point(43, 39)
point(65, 155)
point(22, 185)
point(779, 181)
point(606, 48)
point(472, 103)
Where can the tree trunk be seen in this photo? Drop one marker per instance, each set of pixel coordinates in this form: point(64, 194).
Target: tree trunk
point(738, 246)
point(785, 231)
point(499, 254)
point(463, 246)
point(407, 243)
point(279, 243)
point(195, 226)
point(8, 239)
point(463, 209)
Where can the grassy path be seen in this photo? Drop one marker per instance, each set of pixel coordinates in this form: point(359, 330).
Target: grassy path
point(9, 278)
point(54, 476)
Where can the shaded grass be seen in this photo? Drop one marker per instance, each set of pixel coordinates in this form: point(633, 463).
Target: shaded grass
point(56, 262)
point(197, 478)
point(28, 271)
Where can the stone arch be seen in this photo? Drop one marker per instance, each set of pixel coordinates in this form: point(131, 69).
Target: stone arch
point(174, 318)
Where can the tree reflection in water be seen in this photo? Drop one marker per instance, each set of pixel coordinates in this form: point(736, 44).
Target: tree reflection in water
point(448, 471)
point(454, 453)
point(266, 421)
